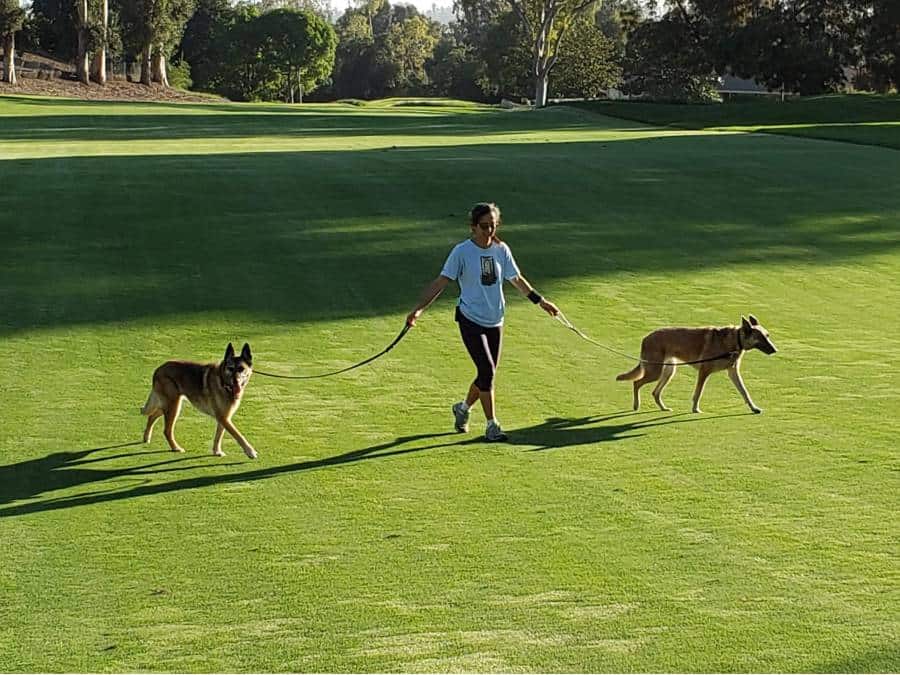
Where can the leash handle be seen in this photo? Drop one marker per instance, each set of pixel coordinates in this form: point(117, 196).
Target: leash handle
point(384, 351)
point(568, 324)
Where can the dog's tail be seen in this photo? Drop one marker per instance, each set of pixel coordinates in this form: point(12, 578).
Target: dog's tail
point(152, 404)
point(635, 373)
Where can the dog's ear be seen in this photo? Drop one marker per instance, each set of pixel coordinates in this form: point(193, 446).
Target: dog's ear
point(745, 325)
point(753, 321)
point(246, 356)
point(229, 352)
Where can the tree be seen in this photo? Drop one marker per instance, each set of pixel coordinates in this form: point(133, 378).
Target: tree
point(299, 47)
point(665, 60)
point(800, 47)
point(408, 45)
point(54, 27)
point(320, 7)
point(278, 55)
point(881, 44)
point(203, 42)
point(588, 62)
point(98, 66)
point(546, 23)
point(383, 50)
point(152, 28)
point(454, 70)
point(508, 59)
point(83, 28)
point(12, 17)
point(355, 60)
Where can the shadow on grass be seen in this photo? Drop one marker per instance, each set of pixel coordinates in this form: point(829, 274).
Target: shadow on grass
point(561, 432)
point(317, 236)
point(858, 119)
point(58, 471)
point(66, 470)
point(883, 660)
point(54, 472)
point(223, 122)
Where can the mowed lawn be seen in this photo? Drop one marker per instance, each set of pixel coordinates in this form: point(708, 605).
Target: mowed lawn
point(368, 536)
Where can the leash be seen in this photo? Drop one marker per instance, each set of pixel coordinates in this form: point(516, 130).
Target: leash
point(384, 351)
point(568, 324)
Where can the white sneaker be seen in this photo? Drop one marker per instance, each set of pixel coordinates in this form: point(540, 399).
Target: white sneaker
point(494, 434)
point(461, 421)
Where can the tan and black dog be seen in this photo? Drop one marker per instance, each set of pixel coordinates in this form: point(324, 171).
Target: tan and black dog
point(673, 346)
point(212, 388)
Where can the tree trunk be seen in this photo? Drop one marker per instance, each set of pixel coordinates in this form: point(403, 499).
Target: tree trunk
point(82, 61)
point(9, 58)
point(159, 68)
point(145, 65)
point(98, 68)
point(540, 89)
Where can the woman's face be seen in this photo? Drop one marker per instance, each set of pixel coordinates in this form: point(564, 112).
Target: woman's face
point(483, 230)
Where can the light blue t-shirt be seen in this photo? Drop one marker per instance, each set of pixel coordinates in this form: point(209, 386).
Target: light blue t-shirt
point(480, 273)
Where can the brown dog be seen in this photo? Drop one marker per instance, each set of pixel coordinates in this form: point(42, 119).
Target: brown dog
point(214, 389)
point(671, 346)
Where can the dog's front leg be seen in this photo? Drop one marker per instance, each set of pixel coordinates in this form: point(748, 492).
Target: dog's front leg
point(231, 429)
point(217, 441)
point(735, 376)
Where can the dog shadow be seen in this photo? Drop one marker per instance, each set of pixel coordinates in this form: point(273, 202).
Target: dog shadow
point(30, 479)
point(64, 470)
point(72, 469)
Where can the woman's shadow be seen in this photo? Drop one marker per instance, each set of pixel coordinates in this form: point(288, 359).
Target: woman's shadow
point(561, 432)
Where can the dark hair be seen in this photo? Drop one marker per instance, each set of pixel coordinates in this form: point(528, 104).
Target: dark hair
point(483, 208)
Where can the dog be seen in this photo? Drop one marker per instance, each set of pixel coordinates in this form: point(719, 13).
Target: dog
point(214, 389)
point(671, 346)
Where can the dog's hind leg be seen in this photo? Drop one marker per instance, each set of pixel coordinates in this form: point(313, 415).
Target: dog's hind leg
point(172, 412)
point(651, 374)
point(151, 420)
point(667, 372)
point(702, 376)
point(735, 376)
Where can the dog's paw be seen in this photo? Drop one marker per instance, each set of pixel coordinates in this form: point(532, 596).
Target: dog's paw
point(756, 411)
point(218, 453)
point(697, 410)
point(177, 448)
point(251, 453)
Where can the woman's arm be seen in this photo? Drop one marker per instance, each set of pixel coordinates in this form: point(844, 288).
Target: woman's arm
point(527, 289)
point(429, 295)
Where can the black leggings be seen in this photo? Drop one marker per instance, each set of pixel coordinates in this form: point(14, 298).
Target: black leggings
point(483, 345)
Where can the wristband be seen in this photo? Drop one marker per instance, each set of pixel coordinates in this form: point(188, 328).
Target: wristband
point(535, 297)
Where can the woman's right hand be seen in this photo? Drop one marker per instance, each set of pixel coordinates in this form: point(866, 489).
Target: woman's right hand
point(412, 316)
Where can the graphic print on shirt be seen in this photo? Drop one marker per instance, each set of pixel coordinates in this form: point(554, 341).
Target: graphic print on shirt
point(488, 273)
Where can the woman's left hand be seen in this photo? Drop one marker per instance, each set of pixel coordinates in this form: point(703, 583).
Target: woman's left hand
point(549, 307)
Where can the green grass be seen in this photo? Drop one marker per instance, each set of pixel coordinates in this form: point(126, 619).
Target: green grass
point(369, 538)
point(857, 118)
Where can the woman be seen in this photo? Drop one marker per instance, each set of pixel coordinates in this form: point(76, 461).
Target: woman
point(480, 264)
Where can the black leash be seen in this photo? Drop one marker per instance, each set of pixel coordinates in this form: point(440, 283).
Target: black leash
point(568, 324)
point(384, 351)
